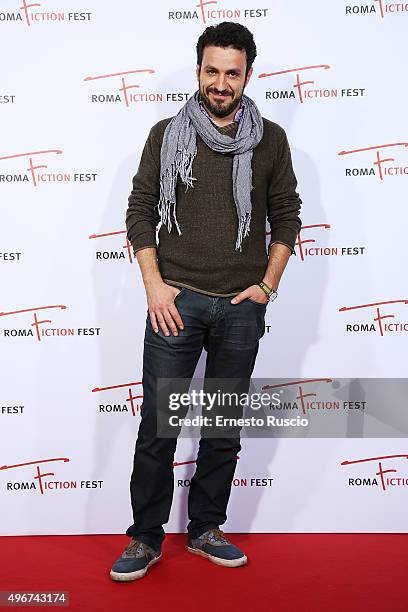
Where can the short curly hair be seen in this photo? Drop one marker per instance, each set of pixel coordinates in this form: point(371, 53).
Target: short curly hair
point(228, 34)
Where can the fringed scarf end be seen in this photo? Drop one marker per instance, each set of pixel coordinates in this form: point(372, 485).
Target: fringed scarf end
point(243, 229)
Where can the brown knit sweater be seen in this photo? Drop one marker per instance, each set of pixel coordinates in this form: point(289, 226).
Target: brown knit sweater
point(203, 257)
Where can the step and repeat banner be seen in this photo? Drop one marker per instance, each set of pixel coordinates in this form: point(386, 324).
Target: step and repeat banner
point(81, 84)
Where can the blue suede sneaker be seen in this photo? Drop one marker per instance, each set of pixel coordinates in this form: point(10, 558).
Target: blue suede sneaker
point(216, 548)
point(134, 561)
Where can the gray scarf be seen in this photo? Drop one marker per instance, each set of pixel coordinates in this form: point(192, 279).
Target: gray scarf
point(179, 149)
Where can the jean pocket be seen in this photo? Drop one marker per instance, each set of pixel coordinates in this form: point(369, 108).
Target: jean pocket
point(258, 303)
point(182, 289)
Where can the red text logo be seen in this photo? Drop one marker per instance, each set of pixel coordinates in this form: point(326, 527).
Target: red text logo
point(120, 407)
point(301, 89)
point(380, 322)
point(381, 164)
point(385, 467)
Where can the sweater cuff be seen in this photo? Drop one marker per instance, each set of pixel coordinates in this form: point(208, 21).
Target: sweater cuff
point(143, 239)
point(153, 246)
point(284, 236)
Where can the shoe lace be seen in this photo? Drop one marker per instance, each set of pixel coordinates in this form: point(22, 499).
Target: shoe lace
point(219, 534)
point(135, 548)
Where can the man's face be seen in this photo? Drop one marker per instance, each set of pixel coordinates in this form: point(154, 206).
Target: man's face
point(222, 80)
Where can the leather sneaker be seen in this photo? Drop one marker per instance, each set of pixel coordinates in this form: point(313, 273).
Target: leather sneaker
point(134, 561)
point(216, 548)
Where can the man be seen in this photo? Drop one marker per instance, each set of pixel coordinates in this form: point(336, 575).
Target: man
point(212, 175)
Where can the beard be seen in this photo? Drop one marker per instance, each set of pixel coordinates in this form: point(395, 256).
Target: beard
point(220, 109)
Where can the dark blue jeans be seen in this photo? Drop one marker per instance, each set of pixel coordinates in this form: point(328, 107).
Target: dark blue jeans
point(230, 334)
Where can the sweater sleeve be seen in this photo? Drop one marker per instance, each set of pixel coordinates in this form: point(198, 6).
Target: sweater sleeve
point(283, 200)
point(142, 216)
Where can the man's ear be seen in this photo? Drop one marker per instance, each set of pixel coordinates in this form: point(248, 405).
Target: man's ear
point(248, 76)
point(198, 72)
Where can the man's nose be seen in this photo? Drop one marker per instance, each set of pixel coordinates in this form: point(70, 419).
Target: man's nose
point(220, 82)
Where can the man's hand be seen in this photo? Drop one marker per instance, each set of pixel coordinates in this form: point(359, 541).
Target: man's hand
point(279, 254)
point(254, 292)
point(162, 309)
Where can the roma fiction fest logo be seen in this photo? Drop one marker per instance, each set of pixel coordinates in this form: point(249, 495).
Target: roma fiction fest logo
point(380, 8)
point(244, 482)
point(121, 404)
point(307, 244)
point(207, 11)
point(125, 252)
point(29, 14)
point(385, 472)
point(377, 317)
point(381, 166)
point(11, 410)
point(307, 85)
point(10, 256)
point(122, 253)
point(43, 328)
point(33, 476)
point(7, 99)
point(305, 398)
point(121, 89)
point(32, 167)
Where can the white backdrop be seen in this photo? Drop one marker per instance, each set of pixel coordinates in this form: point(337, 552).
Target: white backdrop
point(66, 269)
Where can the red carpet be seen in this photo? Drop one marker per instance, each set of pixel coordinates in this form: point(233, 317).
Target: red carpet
point(285, 572)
